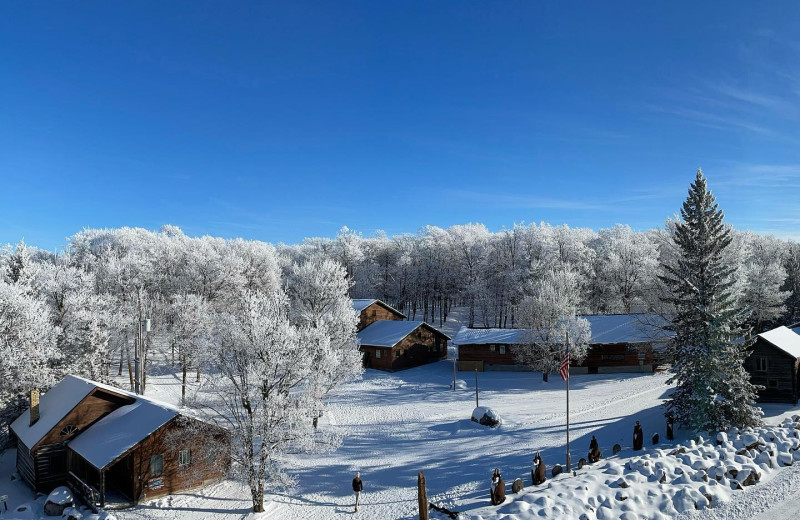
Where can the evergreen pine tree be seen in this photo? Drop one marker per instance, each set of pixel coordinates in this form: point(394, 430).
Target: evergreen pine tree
point(713, 389)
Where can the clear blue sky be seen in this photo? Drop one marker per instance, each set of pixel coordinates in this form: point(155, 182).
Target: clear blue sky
point(280, 121)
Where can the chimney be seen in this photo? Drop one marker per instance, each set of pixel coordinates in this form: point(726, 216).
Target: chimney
point(34, 406)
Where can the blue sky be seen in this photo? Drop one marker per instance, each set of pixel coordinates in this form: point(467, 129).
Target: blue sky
point(281, 121)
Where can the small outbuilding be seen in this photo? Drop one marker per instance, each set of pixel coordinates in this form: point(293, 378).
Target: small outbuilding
point(371, 310)
point(113, 447)
point(773, 363)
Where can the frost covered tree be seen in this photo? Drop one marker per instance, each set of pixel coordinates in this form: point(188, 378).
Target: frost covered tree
point(792, 284)
point(318, 291)
point(765, 275)
point(713, 390)
point(626, 264)
point(548, 316)
point(267, 382)
point(191, 333)
point(27, 350)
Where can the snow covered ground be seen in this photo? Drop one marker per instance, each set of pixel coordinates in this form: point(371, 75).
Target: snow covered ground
point(398, 424)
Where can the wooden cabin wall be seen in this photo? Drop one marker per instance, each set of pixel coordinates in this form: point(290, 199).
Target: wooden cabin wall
point(617, 355)
point(25, 465)
point(781, 369)
point(168, 441)
point(483, 353)
point(374, 312)
point(423, 345)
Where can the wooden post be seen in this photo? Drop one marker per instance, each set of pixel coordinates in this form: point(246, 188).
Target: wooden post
point(422, 497)
point(476, 388)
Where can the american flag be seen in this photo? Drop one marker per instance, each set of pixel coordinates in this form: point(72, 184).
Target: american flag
point(564, 369)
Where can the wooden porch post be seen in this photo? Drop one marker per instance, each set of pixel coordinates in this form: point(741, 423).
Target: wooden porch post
point(102, 488)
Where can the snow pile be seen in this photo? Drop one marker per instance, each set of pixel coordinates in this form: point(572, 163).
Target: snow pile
point(485, 416)
point(661, 483)
point(460, 384)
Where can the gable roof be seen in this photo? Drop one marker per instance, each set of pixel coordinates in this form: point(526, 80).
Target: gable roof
point(121, 430)
point(362, 303)
point(784, 339)
point(388, 333)
point(54, 405)
point(606, 328)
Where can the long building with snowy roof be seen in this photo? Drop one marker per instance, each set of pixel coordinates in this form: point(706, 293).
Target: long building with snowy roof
point(619, 343)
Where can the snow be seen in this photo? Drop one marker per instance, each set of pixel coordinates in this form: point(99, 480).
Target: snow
point(121, 430)
point(785, 339)
point(53, 406)
point(625, 328)
point(466, 336)
point(387, 333)
point(61, 496)
point(397, 424)
point(606, 328)
point(361, 304)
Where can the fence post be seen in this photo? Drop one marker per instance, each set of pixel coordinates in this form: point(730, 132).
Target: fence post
point(422, 496)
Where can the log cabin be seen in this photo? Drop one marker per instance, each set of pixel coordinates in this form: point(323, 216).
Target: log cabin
point(371, 310)
point(619, 343)
point(773, 364)
point(114, 448)
point(396, 345)
point(389, 342)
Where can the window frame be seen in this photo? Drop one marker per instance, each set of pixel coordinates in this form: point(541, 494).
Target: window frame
point(377, 353)
point(185, 457)
point(153, 465)
point(762, 360)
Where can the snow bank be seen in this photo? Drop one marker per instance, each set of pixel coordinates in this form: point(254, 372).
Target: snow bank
point(661, 483)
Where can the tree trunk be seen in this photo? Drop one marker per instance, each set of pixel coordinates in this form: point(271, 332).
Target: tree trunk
point(198, 373)
point(545, 376)
point(183, 384)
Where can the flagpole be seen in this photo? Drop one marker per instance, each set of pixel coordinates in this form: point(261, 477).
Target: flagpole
point(568, 457)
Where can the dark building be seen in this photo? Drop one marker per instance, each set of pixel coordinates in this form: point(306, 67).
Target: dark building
point(113, 447)
point(773, 364)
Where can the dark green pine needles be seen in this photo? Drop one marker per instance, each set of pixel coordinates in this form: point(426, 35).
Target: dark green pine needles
point(711, 342)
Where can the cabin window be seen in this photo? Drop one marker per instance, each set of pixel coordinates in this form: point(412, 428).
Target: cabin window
point(397, 354)
point(156, 465)
point(502, 349)
point(772, 383)
point(761, 364)
point(184, 457)
point(69, 430)
point(377, 354)
point(211, 454)
point(491, 347)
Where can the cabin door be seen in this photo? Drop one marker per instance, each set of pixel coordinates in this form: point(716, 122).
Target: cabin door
point(366, 359)
point(119, 481)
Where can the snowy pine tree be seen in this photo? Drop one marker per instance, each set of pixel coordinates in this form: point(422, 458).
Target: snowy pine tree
point(713, 389)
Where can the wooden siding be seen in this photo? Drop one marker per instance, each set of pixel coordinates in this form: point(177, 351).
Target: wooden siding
point(780, 378)
point(91, 409)
point(168, 441)
point(608, 356)
point(617, 355)
point(25, 465)
point(377, 311)
point(424, 345)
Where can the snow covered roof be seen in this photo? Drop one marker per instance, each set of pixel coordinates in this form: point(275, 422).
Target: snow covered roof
point(121, 430)
point(466, 336)
point(785, 339)
point(609, 328)
point(387, 333)
point(361, 304)
point(54, 405)
point(626, 328)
